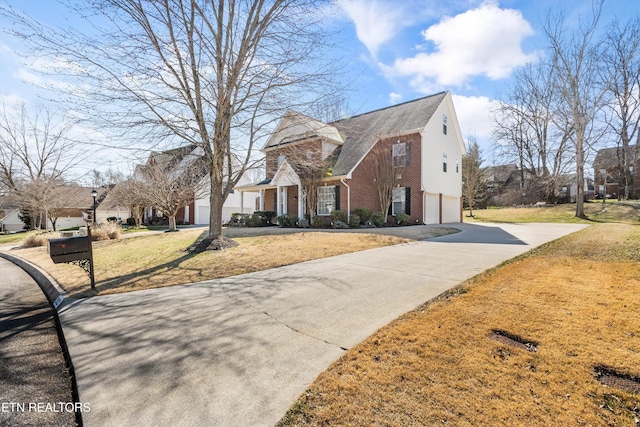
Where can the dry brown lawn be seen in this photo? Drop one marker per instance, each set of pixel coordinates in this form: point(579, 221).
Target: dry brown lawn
point(157, 260)
point(577, 298)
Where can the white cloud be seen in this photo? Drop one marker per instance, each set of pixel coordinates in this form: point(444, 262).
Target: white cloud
point(482, 41)
point(379, 21)
point(376, 21)
point(12, 100)
point(394, 98)
point(475, 118)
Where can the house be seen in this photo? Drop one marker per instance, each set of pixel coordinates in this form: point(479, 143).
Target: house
point(9, 215)
point(68, 206)
point(609, 177)
point(197, 210)
point(508, 185)
point(424, 143)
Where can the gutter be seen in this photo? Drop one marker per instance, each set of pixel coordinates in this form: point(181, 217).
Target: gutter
point(348, 197)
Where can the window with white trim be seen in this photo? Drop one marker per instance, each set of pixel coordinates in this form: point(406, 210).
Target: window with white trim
point(398, 203)
point(444, 162)
point(401, 154)
point(281, 159)
point(326, 200)
point(444, 124)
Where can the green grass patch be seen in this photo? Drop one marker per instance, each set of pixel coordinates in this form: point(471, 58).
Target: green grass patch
point(596, 212)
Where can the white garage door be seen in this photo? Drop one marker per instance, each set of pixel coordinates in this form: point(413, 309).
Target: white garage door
point(203, 215)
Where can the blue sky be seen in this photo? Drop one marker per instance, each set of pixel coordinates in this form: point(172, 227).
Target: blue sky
point(402, 49)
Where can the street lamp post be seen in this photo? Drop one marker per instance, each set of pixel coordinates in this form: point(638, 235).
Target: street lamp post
point(94, 194)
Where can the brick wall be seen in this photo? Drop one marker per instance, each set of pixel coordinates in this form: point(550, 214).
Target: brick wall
point(364, 192)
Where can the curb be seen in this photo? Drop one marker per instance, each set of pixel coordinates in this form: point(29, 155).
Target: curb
point(51, 289)
point(55, 295)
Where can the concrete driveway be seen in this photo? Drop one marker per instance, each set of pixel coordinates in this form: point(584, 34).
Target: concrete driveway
point(239, 351)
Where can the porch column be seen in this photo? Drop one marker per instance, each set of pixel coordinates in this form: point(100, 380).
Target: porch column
point(278, 200)
point(300, 203)
point(262, 199)
point(241, 201)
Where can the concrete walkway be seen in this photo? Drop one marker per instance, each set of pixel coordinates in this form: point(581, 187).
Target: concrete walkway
point(239, 351)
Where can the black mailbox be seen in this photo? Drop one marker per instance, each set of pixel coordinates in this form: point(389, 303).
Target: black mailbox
point(69, 249)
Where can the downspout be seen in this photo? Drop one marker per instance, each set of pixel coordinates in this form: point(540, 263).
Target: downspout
point(348, 198)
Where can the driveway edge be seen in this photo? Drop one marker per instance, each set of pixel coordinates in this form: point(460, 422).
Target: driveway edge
point(55, 295)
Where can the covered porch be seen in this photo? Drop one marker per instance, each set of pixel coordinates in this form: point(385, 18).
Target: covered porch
point(282, 194)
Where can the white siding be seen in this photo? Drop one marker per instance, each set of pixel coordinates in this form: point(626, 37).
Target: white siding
point(231, 205)
point(434, 145)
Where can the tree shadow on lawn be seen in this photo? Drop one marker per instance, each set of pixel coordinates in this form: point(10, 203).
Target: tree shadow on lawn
point(130, 280)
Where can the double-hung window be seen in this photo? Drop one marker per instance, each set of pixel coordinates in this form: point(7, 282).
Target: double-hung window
point(326, 200)
point(401, 154)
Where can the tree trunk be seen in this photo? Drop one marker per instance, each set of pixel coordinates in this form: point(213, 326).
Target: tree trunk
point(172, 223)
point(215, 211)
point(580, 175)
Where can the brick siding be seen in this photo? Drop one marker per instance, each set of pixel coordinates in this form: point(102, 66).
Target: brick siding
point(364, 192)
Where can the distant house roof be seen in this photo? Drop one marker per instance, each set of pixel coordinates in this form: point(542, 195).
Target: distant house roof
point(74, 196)
point(361, 132)
point(500, 173)
point(607, 158)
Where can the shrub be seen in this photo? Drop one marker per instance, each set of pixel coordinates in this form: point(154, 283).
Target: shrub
point(364, 214)
point(238, 219)
point(268, 216)
point(36, 240)
point(354, 221)
point(304, 223)
point(287, 220)
point(321, 222)
point(131, 222)
point(255, 220)
point(105, 231)
point(340, 224)
point(402, 219)
point(339, 215)
point(378, 219)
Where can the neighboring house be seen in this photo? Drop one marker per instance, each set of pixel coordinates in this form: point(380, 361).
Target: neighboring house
point(10, 220)
point(505, 187)
point(70, 207)
point(107, 207)
point(197, 211)
point(424, 142)
point(608, 176)
point(78, 202)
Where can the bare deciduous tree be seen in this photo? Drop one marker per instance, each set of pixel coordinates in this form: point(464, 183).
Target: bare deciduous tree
point(622, 59)
point(169, 187)
point(35, 153)
point(529, 130)
point(387, 174)
point(473, 180)
point(211, 73)
point(132, 192)
point(576, 62)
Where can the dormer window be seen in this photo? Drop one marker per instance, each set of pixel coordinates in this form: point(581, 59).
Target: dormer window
point(281, 159)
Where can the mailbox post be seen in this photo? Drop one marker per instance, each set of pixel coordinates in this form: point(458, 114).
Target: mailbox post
point(74, 250)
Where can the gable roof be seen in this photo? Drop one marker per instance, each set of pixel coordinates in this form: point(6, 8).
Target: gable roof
point(361, 132)
point(295, 126)
point(607, 158)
